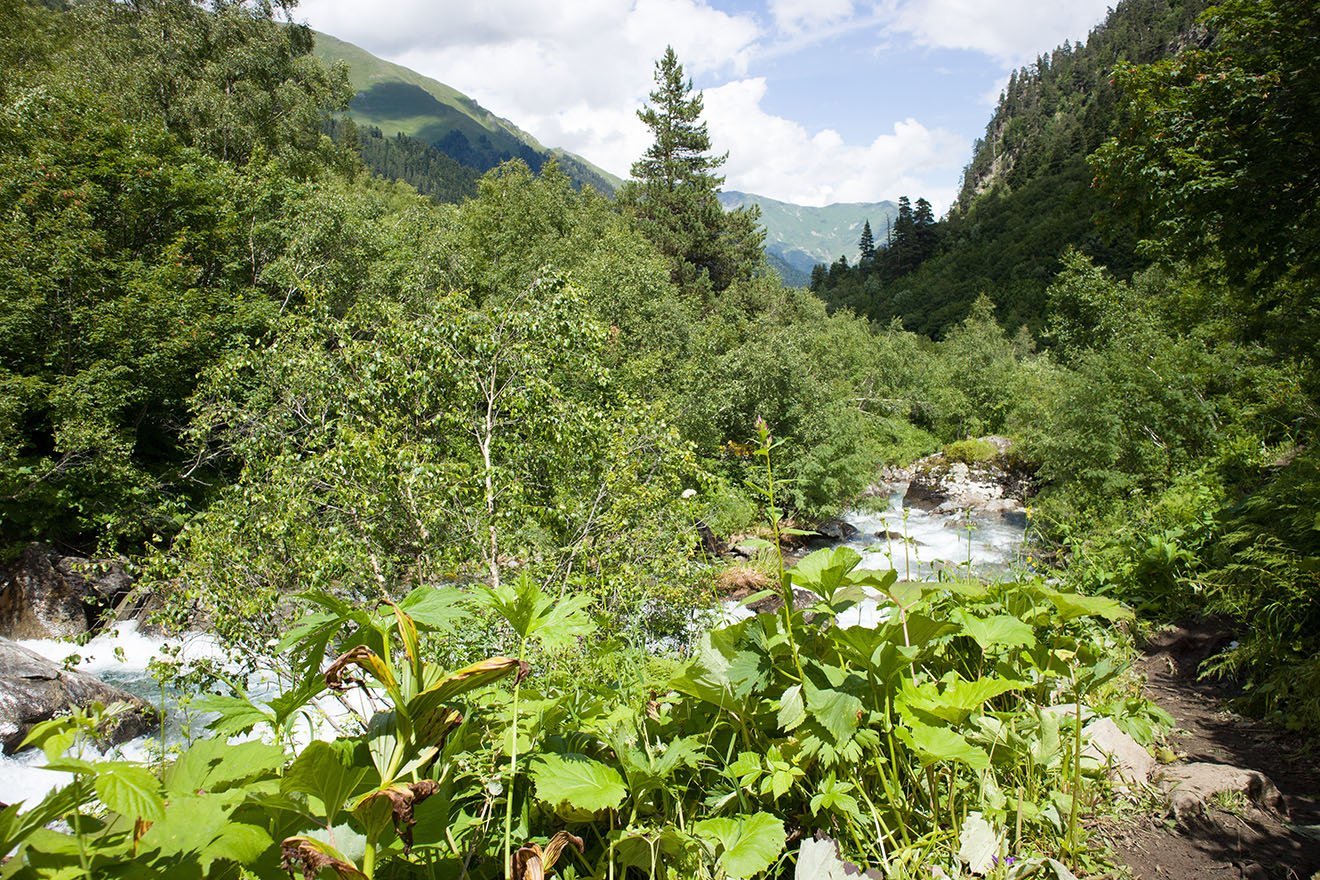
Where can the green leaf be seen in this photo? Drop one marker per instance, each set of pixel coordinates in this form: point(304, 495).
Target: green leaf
point(238, 842)
point(327, 773)
point(792, 711)
point(825, 570)
point(959, 698)
point(835, 710)
point(1002, 629)
point(213, 763)
point(435, 608)
point(15, 827)
point(1074, 605)
point(578, 781)
point(130, 790)
point(936, 744)
point(238, 715)
point(747, 845)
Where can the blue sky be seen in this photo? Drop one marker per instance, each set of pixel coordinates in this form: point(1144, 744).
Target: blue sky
point(816, 101)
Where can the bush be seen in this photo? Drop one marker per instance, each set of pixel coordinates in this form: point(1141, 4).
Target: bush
point(971, 452)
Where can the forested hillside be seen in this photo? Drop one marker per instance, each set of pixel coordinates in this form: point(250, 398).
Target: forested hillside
point(447, 486)
point(399, 101)
point(1027, 194)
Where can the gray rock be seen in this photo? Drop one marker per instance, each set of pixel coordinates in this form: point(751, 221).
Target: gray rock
point(44, 595)
point(1191, 787)
point(33, 689)
point(950, 486)
point(1110, 747)
point(836, 529)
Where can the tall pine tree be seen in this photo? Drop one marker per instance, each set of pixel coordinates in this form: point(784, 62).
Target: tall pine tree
point(866, 247)
point(674, 196)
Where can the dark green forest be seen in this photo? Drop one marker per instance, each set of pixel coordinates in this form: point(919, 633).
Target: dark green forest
point(454, 442)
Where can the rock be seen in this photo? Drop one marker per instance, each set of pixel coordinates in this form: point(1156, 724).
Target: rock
point(1127, 759)
point(802, 599)
point(836, 529)
point(1190, 787)
point(946, 486)
point(711, 543)
point(33, 689)
point(44, 595)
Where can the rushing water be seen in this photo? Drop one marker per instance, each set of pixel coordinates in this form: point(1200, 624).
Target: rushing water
point(121, 657)
point(922, 545)
point(918, 544)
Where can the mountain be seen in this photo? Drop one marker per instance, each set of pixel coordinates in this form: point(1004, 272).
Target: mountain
point(802, 236)
point(397, 100)
point(1027, 194)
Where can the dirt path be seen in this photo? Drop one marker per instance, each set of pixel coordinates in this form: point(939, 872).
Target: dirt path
point(1239, 839)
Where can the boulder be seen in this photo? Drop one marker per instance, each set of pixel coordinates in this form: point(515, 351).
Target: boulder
point(1191, 787)
point(947, 486)
point(836, 529)
point(1127, 760)
point(33, 689)
point(44, 595)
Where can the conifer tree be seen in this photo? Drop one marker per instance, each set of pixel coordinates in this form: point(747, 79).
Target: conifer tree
point(866, 246)
point(675, 194)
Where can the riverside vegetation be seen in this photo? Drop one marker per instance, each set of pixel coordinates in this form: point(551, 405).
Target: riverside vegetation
point(445, 461)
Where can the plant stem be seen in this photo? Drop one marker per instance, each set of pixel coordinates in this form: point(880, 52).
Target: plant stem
point(1077, 773)
point(513, 768)
point(785, 582)
point(369, 858)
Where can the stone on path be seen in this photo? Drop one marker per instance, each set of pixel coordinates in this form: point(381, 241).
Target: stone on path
point(1191, 786)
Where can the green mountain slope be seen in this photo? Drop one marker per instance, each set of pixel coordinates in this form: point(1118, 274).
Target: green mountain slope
point(802, 236)
point(401, 101)
point(1027, 196)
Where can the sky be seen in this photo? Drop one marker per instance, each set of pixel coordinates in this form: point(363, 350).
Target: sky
point(815, 101)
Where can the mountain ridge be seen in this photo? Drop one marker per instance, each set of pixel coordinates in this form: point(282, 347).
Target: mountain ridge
point(803, 236)
point(399, 100)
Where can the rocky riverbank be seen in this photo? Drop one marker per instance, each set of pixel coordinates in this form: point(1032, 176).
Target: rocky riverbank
point(46, 595)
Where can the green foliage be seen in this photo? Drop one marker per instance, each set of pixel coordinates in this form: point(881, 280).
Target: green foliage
point(674, 199)
point(971, 451)
point(118, 291)
point(1218, 157)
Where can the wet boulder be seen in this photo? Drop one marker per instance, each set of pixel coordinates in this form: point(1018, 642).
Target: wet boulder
point(44, 595)
point(977, 474)
point(34, 689)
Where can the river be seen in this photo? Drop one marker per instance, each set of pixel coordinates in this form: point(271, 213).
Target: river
point(918, 544)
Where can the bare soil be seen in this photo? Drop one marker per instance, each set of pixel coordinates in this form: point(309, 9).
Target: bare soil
point(1243, 840)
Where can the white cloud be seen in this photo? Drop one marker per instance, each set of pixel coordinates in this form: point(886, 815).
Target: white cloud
point(1013, 32)
point(779, 158)
point(575, 73)
point(795, 16)
point(572, 74)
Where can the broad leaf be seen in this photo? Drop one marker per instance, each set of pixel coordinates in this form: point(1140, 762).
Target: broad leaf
point(577, 781)
point(836, 711)
point(131, 791)
point(1002, 629)
point(1074, 605)
point(936, 744)
point(327, 773)
point(435, 608)
point(238, 715)
point(824, 571)
point(747, 845)
point(237, 842)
